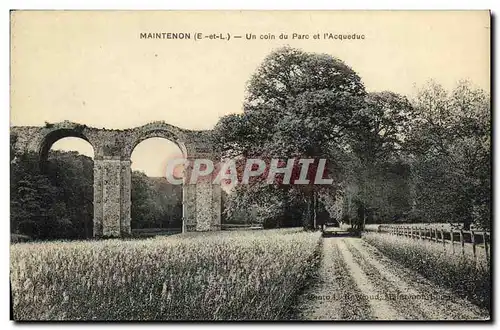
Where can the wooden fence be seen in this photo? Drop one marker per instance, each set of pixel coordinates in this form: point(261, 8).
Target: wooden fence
point(478, 240)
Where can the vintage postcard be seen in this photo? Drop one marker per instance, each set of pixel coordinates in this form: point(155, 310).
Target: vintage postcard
point(250, 165)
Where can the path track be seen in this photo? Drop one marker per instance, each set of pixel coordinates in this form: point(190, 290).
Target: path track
point(356, 282)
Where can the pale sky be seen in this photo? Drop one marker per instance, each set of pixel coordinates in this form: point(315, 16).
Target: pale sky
point(92, 67)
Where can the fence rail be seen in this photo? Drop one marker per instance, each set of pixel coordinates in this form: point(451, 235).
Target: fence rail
point(480, 241)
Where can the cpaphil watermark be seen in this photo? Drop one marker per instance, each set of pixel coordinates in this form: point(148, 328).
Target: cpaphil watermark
point(299, 171)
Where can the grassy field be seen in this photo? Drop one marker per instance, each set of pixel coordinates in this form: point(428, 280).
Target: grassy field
point(253, 275)
point(469, 278)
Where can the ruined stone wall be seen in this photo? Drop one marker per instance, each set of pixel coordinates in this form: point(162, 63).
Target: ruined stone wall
point(112, 172)
point(126, 201)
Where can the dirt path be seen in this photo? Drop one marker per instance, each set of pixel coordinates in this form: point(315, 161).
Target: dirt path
point(356, 282)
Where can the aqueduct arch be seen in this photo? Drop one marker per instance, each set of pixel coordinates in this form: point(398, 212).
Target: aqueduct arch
point(112, 172)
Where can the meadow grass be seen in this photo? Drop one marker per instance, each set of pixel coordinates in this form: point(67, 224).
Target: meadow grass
point(252, 275)
point(465, 276)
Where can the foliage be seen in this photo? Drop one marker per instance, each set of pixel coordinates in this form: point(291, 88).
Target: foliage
point(450, 148)
point(466, 277)
point(298, 105)
point(155, 203)
point(276, 211)
point(392, 159)
point(245, 275)
point(375, 173)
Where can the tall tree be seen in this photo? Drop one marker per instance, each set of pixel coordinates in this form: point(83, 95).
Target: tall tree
point(375, 170)
point(298, 105)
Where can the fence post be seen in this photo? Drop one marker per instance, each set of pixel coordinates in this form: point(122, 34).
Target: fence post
point(462, 241)
point(486, 247)
point(452, 242)
point(436, 235)
point(442, 237)
point(419, 233)
point(473, 240)
point(411, 232)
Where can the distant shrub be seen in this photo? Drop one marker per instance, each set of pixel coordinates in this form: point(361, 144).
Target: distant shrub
point(270, 223)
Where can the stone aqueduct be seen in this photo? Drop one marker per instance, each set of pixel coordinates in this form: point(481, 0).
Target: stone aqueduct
point(201, 204)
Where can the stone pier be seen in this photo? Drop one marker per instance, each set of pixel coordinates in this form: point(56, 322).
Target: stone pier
point(202, 205)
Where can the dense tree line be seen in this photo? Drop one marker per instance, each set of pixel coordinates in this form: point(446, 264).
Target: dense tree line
point(155, 203)
point(56, 200)
point(449, 150)
point(392, 159)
